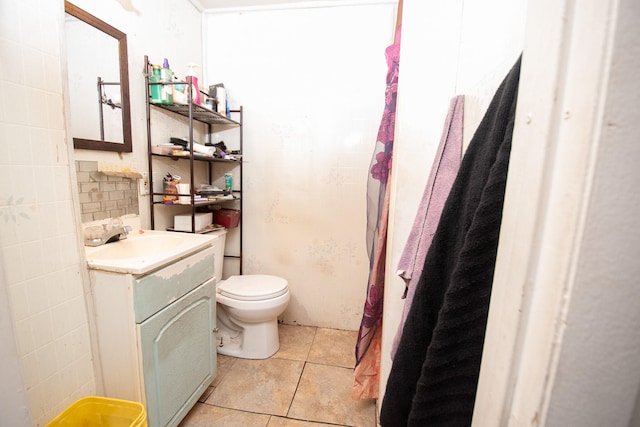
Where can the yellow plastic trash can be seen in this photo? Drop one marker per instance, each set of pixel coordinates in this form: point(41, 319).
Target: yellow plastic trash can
point(94, 411)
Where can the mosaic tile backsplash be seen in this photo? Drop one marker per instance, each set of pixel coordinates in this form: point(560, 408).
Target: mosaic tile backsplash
point(104, 196)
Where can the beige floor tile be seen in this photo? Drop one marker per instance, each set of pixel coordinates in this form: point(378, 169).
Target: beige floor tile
point(206, 416)
point(324, 395)
point(224, 365)
point(287, 422)
point(295, 341)
point(334, 347)
point(264, 386)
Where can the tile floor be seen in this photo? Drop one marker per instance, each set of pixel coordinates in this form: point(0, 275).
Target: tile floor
point(307, 383)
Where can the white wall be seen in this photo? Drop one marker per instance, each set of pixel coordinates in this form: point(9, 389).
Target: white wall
point(448, 48)
point(41, 260)
point(562, 340)
point(14, 407)
point(603, 318)
point(312, 81)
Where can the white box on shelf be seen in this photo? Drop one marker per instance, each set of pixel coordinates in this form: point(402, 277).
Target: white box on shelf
point(183, 222)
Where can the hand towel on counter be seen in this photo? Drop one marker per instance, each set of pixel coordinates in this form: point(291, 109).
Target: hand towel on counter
point(443, 173)
point(435, 371)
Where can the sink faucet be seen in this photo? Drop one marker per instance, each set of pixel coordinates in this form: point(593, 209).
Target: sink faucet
point(114, 231)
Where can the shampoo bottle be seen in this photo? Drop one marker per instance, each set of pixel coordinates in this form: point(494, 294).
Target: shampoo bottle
point(192, 78)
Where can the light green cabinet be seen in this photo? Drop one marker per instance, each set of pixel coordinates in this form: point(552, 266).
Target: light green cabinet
point(155, 335)
point(177, 345)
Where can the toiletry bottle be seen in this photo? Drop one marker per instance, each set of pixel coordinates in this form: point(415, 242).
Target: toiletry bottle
point(179, 92)
point(228, 182)
point(221, 97)
point(156, 90)
point(214, 94)
point(192, 78)
point(167, 77)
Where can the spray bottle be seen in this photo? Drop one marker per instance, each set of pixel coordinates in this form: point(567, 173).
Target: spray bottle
point(191, 77)
point(167, 77)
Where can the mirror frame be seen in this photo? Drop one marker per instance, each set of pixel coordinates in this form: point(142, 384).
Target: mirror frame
point(93, 144)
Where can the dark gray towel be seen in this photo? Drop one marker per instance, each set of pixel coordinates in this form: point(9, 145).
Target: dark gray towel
point(434, 376)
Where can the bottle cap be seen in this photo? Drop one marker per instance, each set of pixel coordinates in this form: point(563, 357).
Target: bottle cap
point(165, 64)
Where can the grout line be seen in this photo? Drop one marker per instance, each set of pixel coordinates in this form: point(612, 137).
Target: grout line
point(304, 365)
point(315, 332)
point(244, 411)
point(329, 423)
point(286, 415)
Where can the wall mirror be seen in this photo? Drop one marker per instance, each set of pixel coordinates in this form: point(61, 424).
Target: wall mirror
point(98, 72)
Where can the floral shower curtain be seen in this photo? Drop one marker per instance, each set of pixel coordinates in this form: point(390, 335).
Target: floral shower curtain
point(367, 371)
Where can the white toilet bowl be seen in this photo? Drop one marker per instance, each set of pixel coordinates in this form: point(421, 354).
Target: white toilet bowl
point(247, 310)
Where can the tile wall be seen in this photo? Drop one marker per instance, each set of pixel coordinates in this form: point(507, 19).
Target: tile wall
point(41, 268)
point(39, 250)
point(104, 196)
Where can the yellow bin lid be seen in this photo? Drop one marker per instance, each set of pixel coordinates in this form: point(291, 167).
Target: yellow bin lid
point(95, 411)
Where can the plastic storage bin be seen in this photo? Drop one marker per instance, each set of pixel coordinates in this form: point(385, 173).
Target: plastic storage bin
point(94, 411)
point(183, 222)
point(228, 218)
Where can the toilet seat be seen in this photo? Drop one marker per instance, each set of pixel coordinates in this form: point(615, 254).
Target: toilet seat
point(253, 287)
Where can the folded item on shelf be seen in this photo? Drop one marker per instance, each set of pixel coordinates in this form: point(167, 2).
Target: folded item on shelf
point(165, 148)
point(203, 149)
point(213, 192)
point(181, 153)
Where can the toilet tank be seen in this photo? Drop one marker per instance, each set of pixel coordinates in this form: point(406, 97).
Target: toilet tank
point(218, 252)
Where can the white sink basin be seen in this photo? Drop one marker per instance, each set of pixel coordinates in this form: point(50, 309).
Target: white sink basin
point(145, 250)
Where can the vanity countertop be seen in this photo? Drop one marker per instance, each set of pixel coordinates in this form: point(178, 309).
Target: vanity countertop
point(145, 250)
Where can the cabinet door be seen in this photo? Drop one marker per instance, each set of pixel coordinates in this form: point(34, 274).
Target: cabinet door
point(178, 355)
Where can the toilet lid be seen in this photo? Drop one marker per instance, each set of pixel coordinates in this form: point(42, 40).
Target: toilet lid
point(253, 287)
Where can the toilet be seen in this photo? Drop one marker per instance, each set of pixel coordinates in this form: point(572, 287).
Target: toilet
point(247, 310)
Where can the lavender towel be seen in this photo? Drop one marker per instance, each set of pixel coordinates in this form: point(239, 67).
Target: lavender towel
point(443, 173)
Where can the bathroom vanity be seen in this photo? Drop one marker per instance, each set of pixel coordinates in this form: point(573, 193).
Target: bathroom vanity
point(154, 303)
